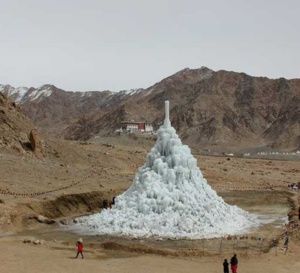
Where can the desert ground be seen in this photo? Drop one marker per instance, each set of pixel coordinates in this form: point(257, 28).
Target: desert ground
point(74, 176)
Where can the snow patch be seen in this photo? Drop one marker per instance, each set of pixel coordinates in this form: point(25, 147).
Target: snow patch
point(130, 92)
point(38, 94)
point(15, 94)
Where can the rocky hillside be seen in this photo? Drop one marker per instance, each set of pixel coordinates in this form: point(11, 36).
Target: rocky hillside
point(17, 133)
point(210, 110)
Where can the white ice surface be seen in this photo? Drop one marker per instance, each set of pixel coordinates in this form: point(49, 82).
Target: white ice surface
point(169, 198)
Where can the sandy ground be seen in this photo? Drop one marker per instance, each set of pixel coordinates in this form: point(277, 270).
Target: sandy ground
point(83, 168)
point(52, 257)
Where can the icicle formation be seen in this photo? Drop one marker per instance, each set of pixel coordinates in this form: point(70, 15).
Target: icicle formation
point(169, 198)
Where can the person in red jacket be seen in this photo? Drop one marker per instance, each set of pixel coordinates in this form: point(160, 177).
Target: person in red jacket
point(79, 247)
point(234, 263)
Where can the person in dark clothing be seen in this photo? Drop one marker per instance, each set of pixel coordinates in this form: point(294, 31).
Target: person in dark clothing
point(105, 204)
point(226, 266)
point(234, 263)
point(286, 245)
point(286, 242)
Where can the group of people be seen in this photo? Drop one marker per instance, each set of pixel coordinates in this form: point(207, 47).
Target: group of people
point(106, 204)
point(233, 263)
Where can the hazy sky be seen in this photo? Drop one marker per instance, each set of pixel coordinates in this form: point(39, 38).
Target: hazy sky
point(122, 44)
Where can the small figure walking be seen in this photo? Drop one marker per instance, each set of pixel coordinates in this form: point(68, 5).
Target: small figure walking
point(234, 263)
point(79, 247)
point(286, 244)
point(226, 266)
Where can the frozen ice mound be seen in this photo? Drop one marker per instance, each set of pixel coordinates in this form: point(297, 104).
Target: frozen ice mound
point(169, 198)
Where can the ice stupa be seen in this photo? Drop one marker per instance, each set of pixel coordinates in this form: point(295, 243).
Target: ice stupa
point(169, 198)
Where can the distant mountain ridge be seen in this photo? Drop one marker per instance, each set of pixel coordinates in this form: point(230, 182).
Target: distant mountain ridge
point(53, 109)
point(209, 109)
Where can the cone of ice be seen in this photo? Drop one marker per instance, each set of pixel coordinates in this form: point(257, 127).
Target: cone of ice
point(169, 198)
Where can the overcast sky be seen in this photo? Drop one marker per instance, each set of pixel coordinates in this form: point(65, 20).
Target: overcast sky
point(123, 44)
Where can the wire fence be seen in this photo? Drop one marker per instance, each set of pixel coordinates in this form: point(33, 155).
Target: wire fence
point(240, 244)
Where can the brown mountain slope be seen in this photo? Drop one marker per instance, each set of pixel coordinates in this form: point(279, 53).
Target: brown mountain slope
point(235, 110)
point(209, 109)
point(14, 127)
point(55, 112)
point(216, 110)
point(285, 130)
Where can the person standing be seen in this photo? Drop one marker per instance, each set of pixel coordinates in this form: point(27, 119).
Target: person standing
point(105, 204)
point(226, 266)
point(79, 248)
point(234, 263)
point(286, 245)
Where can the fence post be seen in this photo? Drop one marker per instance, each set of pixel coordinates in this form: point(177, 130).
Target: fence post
point(221, 245)
point(247, 246)
point(260, 247)
point(234, 244)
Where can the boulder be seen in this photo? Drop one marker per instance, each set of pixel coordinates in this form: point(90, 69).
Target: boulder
point(44, 220)
point(35, 144)
point(63, 221)
point(36, 242)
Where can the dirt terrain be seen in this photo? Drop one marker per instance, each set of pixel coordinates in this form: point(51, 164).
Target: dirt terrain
point(74, 176)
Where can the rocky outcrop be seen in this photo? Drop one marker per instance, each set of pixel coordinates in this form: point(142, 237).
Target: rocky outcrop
point(42, 219)
point(14, 128)
point(36, 144)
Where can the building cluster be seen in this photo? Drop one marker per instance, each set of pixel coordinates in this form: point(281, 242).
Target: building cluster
point(133, 126)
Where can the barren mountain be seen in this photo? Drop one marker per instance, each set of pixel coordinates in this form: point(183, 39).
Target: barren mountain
point(215, 110)
point(212, 110)
point(53, 109)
